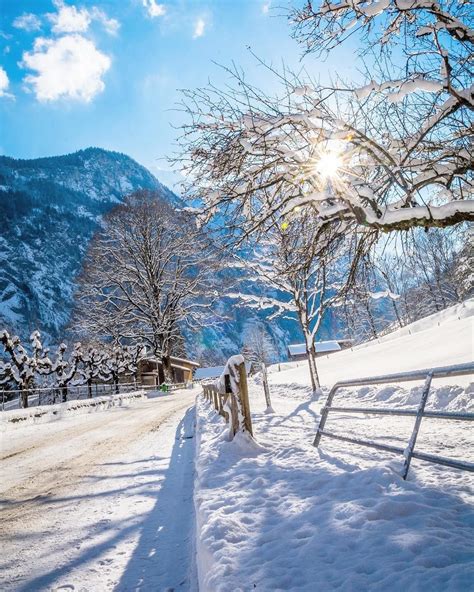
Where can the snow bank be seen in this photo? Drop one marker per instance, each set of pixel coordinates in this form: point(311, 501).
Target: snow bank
point(464, 310)
point(441, 339)
point(46, 413)
point(286, 516)
point(446, 397)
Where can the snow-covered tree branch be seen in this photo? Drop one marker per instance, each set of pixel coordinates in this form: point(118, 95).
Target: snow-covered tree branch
point(391, 154)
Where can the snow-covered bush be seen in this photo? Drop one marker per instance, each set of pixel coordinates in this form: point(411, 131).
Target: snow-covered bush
point(22, 367)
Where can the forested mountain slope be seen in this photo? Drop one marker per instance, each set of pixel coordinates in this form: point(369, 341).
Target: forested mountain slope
point(50, 208)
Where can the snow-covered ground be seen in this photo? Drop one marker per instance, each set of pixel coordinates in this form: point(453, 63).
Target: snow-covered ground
point(45, 413)
point(421, 345)
point(286, 516)
point(100, 501)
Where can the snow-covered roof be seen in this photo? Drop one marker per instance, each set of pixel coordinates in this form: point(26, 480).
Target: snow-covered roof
point(173, 365)
point(298, 349)
point(175, 362)
point(185, 361)
point(213, 372)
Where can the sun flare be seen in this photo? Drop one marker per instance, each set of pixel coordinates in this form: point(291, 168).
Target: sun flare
point(329, 165)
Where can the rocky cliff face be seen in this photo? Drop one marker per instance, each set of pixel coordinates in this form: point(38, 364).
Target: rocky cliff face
point(49, 210)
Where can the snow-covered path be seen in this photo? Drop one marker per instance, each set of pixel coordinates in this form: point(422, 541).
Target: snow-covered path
point(101, 501)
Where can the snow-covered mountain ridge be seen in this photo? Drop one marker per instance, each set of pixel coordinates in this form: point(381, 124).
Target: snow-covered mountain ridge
point(50, 208)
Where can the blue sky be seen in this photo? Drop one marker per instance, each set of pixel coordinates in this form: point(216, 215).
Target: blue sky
point(106, 72)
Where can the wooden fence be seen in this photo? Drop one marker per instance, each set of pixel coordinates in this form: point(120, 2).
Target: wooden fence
point(233, 404)
point(419, 414)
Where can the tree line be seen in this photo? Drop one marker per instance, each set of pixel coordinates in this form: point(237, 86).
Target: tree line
point(84, 366)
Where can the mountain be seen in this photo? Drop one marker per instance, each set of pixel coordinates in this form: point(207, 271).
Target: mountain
point(50, 208)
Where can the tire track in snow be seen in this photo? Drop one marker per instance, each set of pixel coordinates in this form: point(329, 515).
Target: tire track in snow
point(23, 498)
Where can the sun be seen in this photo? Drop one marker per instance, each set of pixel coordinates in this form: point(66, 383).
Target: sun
point(329, 164)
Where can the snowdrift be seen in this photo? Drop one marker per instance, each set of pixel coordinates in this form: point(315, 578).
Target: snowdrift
point(287, 516)
point(46, 413)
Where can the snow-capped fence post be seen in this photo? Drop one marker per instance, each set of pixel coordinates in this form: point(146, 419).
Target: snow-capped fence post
point(232, 396)
point(215, 397)
point(244, 398)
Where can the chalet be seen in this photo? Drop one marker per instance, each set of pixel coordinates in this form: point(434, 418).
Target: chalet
point(297, 351)
point(150, 371)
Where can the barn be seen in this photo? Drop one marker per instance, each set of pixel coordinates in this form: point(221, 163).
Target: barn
point(150, 371)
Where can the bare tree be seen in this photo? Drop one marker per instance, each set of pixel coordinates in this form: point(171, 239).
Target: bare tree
point(22, 366)
point(92, 361)
point(258, 346)
point(65, 369)
point(148, 275)
point(343, 155)
point(300, 269)
point(429, 271)
point(115, 364)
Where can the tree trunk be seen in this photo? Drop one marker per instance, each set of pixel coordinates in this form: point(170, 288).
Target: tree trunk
point(373, 328)
point(397, 314)
point(24, 398)
point(89, 389)
point(116, 383)
point(64, 394)
point(167, 371)
point(313, 370)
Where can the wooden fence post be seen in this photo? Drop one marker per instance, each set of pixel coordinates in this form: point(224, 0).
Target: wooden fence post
point(416, 427)
point(215, 396)
point(244, 398)
point(266, 388)
point(234, 427)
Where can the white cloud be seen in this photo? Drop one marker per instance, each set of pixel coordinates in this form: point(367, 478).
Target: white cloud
point(4, 83)
point(69, 19)
point(199, 28)
point(154, 9)
point(266, 7)
point(70, 67)
point(27, 22)
point(111, 25)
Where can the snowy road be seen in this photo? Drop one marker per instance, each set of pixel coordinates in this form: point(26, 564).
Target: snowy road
point(100, 501)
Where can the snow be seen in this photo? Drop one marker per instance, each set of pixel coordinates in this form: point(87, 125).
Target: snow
point(211, 372)
point(298, 349)
point(47, 413)
point(287, 516)
point(101, 501)
point(445, 211)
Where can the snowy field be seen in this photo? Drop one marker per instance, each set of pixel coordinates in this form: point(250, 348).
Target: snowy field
point(282, 515)
point(100, 501)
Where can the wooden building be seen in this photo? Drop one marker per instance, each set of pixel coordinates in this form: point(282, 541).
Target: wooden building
point(297, 351)
point(150, 371)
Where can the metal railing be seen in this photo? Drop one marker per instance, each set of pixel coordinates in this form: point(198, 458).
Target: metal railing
point(419, 414)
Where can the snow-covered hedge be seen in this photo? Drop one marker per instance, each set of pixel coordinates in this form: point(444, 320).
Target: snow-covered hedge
point(45, 413)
